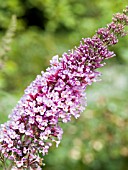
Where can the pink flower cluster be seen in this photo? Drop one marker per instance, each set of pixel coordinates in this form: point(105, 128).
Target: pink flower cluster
point(55, 96)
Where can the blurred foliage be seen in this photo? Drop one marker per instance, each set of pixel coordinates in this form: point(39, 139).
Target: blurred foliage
point(6, 40)
point(99, 139)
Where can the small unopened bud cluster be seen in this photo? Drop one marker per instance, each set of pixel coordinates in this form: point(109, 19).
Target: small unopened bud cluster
point(55, 96)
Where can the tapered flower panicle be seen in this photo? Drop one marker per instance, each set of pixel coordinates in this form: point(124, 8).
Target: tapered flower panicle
point(55, 96)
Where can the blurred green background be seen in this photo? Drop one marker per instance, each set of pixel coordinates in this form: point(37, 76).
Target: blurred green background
point(98, 140)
